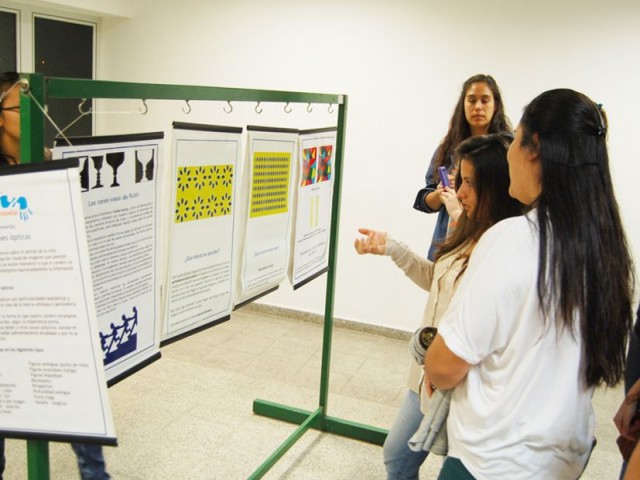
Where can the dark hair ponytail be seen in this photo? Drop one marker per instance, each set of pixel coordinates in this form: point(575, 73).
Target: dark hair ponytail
point(585, 268)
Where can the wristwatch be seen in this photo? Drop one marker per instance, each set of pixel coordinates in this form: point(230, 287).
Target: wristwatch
point(427, 334)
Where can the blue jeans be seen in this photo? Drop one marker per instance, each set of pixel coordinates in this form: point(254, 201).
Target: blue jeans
point(90, 461)
point(401, 462)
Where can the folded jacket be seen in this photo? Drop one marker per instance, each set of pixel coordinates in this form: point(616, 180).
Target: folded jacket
point(431, 435)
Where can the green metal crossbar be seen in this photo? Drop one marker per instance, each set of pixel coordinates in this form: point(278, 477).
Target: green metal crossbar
point(317, 420)
point(324, 422)
point(32, 147)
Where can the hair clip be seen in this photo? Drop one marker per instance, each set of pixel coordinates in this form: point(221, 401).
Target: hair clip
point(602, 129)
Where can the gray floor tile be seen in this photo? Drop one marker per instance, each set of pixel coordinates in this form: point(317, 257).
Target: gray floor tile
point(189, 415)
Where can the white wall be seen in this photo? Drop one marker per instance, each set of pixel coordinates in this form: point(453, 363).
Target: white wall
point(402, 63)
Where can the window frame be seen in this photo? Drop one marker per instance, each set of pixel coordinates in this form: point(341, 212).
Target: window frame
point(66, 19)
point(26, 15)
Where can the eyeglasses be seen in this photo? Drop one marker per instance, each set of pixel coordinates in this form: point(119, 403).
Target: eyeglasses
point(15, 108)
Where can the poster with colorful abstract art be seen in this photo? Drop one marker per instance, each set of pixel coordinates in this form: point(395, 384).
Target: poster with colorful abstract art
point(51, 373)
point(267, 186)
point(120, 194)
point(200, 274)
point(310, 240)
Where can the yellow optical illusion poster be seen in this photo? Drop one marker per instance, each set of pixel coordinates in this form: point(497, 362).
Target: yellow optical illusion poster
point(200, 277)
point(268, 174)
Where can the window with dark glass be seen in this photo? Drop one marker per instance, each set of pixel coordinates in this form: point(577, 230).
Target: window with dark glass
point(64, 49)
point(8, 42)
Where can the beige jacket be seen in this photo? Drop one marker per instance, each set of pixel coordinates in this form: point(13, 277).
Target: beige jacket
point(439, 279)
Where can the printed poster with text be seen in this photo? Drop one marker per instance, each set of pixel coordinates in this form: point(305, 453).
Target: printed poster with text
point(314, 187)
point(202, 226)
point(268, 184)
point(119, 184)
point(52, 382)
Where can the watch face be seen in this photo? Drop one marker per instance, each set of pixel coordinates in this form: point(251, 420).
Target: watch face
point(427, 334)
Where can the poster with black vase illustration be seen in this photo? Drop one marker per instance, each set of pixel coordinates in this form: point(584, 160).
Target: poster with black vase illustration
point(120, 194)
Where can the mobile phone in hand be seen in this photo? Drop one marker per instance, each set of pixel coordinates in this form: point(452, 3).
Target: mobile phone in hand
point(444, 177)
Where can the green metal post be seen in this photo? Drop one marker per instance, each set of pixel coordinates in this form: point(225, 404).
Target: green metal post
point(38, 460)
point(32, 150)
point(333, 253)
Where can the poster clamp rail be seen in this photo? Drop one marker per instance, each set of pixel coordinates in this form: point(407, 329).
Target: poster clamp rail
point(32, 144)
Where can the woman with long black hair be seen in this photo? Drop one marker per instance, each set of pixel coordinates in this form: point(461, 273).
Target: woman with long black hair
point(544, 311)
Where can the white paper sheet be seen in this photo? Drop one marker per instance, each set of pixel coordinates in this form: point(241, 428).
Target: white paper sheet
point(52, 380)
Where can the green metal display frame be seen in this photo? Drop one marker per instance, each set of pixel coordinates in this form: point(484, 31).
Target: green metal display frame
point(41, 88)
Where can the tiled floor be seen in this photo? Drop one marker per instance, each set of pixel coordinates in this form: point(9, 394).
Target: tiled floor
point(189, 415)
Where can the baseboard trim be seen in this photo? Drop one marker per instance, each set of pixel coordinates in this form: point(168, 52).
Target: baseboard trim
point(319, 319)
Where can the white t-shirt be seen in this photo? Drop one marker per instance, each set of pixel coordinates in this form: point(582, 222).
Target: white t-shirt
point(523, 410)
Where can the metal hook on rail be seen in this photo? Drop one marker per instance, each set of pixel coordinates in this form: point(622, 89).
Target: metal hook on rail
point(258, 109)
point(330, 109)
point(80, 109)
point(309, 109)
point(188, 109)
point(144, 110)
point(287, 108)
point(230, 107)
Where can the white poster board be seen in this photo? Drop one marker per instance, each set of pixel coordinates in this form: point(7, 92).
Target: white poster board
point(314, 187)
point(267, 191)
point(120, 190)
point(52, 382)
point(200, 277)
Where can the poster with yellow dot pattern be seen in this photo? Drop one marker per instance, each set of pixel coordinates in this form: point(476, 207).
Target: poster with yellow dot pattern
point(270, 185)
point(204, 204)
point(203, 192)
